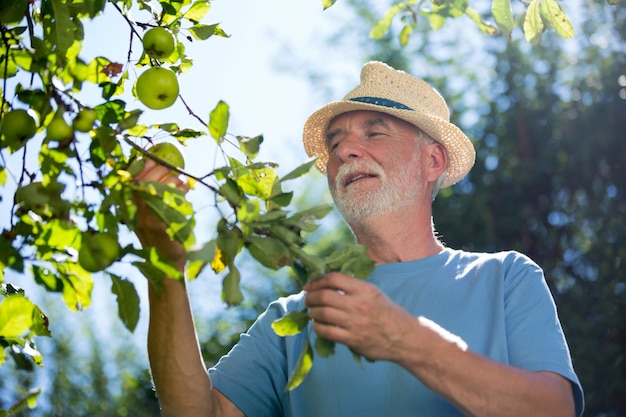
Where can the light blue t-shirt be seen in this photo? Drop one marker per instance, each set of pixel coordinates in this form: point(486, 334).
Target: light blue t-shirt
point(498, 303)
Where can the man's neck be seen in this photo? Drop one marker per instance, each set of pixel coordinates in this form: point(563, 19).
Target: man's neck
point(399, 240)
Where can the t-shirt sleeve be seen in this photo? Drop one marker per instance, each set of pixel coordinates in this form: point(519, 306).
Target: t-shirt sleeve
point(253, 375)
point(535, 336)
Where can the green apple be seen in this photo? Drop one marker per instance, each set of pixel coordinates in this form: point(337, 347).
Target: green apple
point(169, 153)
point(158, 43)
point(84, 120)
point(59, 130)
point(98, 251)
point(164, 151)
point(17, 126)
point(157, 88)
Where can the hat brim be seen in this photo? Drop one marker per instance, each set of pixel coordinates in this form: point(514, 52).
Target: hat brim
point(461, 154)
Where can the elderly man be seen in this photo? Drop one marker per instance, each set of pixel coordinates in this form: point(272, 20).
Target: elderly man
point(447, 332)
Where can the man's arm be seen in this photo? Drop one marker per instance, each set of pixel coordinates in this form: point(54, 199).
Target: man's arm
point(180, 377)
point(477, 385)
point(359, 315)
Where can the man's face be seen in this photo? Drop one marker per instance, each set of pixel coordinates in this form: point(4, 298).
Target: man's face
point(374, 164)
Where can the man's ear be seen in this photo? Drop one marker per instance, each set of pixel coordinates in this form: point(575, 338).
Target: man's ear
point(437, 160)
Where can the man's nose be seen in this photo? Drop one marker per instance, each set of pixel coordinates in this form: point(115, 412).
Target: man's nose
point(350, 148)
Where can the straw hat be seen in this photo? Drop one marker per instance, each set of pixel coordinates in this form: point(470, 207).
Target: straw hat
point(387, 90)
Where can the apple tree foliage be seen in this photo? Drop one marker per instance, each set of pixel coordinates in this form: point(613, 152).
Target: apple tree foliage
point(72, 207)
point(72, 211)
point(534, 17)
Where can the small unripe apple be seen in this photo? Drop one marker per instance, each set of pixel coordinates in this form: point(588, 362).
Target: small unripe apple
point(158, 43)
point(59, 130)
point(169, 153)
point(164, 151)
point(84, 120)
point(17, 126)
point(157, 88)
point(98, 251)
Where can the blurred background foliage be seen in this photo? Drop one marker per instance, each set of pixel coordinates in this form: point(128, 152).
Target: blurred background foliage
point(549, 126)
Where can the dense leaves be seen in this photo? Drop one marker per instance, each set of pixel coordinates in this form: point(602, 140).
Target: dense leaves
point(74, 195)
point(74, 211)
point(350, 260)
point(539, 16)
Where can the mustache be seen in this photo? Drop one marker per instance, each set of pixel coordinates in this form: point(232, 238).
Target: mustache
point(350, 168)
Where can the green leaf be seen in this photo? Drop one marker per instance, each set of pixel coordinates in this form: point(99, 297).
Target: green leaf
point(300, 170)
point(328, 3)
point(231, 292)
point(12, 11)
point(248, 210)
point(282, 199)
point(270, 252)
point(77, 285)
point(533, 24)
point(405, 34)
point(258, 182)
point(218, 121)
point(288, 235)
point(202, 32)
point(62, 29)
point(47, 279)
point(271, 216)
point(250, 146)
point(302, 368)
point(154, 275)
point(316, 212)
point(16, 315)
point(29, 350)
point(232, 192)
point(198, 10)
point(381, 27)
point(28, 400)
point(291, 323)
point(361, 267)
point(95, 71)
point(229, 242)
point(313, 265)
point(43, 199)
point(324, 348)
point(351, 260)
point(200, 258)
point(482, 25)
point(557, 18)
point(356, 356)
point(130, 120)
point(156, 268)
point(502, 14)
point(170, 206)
point(127, 301)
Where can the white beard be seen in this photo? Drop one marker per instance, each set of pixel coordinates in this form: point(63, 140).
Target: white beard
point(368, 201)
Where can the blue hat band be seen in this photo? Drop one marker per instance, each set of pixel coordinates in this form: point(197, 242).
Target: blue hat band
point(381, 102)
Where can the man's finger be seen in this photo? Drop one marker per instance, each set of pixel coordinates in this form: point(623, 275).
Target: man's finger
point(333, 280)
